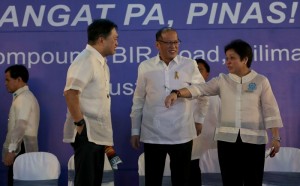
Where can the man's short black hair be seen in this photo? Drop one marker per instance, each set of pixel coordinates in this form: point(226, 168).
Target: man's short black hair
point(18, 71)
point(100, 28)
point(202, 61)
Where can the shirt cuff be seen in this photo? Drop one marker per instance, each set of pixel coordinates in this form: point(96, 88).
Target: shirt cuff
point(12, 147)
point(199, 119)
point(135, 132)
point(73, 87)
point(194, 91)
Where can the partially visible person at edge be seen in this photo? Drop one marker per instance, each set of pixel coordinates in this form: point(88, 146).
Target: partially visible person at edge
point(205, 140)
point(88, 124)
point(24, 118)
point(248, 109)
point(165, 131)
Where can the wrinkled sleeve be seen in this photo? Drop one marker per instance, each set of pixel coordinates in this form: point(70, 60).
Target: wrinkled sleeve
point(138, 103)
point(200, 109)
point(210, 88)
point(22, 114)
point(270, 107)
point(78, 76)
point(201, 103)
point(17, 134)
point(23, 108)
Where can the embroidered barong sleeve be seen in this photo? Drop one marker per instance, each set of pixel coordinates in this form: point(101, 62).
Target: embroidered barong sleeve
point(270, 107)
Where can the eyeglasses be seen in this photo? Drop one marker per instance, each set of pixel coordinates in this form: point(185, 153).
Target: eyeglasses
point(170, 43)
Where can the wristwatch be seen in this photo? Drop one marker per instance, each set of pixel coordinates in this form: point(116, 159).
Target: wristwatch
point(177, 92)
point(80, 122)
point(276, 138)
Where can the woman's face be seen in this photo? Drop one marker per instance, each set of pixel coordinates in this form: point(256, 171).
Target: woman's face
point(234, 63)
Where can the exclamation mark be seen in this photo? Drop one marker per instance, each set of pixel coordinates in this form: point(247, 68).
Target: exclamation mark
point(294, 9)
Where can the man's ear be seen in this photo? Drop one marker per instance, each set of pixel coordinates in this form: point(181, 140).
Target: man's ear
point(245, 60)
point(157, 44)
point(100, 40)
point(19, 79)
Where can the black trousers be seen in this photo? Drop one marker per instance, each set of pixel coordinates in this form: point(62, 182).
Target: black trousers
point(180, 158)
point(89, 161)
point(241, 164)
point(10, 174)
point(195, 173)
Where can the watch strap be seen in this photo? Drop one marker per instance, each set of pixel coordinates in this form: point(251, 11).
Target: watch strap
point(177, 92)
point(80, 122)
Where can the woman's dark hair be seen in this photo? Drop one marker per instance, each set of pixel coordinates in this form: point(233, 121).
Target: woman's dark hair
point(242, 48)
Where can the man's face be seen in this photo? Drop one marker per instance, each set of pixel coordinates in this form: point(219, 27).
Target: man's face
point(110, 43)
point(12, 84)
point(168, 46)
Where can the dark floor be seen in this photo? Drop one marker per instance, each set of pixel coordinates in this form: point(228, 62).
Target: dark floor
point(131, 178)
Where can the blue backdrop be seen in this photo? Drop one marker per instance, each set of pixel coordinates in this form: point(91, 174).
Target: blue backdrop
point(46, 37)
